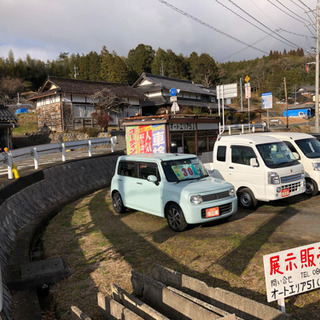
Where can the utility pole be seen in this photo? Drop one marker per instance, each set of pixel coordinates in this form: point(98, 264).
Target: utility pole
point(285, 92)
point(317, 75)
point(75, 74)
point(241, 94)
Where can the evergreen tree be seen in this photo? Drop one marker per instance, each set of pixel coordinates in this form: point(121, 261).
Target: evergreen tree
point(139, 61)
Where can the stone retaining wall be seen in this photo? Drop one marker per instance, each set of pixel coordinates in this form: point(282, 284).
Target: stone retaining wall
point(30, 208)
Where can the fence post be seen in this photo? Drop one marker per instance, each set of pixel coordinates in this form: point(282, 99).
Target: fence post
point(63, 151)
point(242, 128)
point(230, 130)
point(10, 164)
point(35, 158)
point(90, 148)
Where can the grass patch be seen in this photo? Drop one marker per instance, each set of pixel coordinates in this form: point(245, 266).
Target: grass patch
point(27, 123)
point(102, 247)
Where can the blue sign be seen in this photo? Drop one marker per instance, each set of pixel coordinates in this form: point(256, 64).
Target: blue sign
point(173, 92)
point(266, 100)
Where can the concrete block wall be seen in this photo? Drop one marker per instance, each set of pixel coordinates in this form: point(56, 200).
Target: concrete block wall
point(30, 208)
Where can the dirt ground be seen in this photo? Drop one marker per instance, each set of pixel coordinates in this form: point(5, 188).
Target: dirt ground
point(102, 247)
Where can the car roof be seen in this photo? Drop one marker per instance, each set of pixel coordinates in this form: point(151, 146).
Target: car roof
point(255, 138)
point(291, 135)
point(157, 156)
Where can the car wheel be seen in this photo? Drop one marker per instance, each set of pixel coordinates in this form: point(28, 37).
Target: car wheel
point(247, 199)
point(117, 203)
point(311, 188)
point(175, 218)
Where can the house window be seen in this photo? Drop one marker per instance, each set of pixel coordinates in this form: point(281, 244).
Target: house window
point(82, 111)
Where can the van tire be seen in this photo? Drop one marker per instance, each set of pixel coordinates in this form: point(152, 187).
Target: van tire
point(246, 199)
point(311, 188)
point(175, 218)
point(118, 203)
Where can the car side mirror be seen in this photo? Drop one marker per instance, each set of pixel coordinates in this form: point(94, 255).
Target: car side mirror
point(153, 179)
point(254, 162)
point(296, 155)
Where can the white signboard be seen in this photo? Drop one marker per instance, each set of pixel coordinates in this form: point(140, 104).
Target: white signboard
point(266, 100)
point(247, 89)
point(182, 126)
point(291, 272)
point(226, 91)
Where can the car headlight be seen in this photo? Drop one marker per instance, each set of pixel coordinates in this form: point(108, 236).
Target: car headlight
point(232, 192)
point(196, 199)
point(316, 166)
point(273, 178)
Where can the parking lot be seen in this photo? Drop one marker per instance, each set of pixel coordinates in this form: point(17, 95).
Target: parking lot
point(107, 246)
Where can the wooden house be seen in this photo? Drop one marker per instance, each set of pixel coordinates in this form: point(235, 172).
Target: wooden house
point(8, 121)
point(157, 88)
point(64, 103)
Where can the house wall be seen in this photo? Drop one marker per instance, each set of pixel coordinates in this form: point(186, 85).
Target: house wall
point(50, 114)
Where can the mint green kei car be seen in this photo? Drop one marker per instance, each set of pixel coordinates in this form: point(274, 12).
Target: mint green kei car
point(174, 186)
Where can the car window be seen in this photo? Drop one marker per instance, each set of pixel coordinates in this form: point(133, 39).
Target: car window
point(146, 169)
point(242, 155)
point(290, 146)
point(184, 169)
point(221, 153)
point(128, 168)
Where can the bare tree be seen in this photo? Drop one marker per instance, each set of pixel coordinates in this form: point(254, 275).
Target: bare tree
point(9, 87)
point(107, 101)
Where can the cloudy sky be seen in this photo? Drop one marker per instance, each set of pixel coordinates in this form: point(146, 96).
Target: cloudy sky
point(229, 30)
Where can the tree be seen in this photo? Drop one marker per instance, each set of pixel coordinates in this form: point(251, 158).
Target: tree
point(139, 60)
point(106, 101)
point(203, 69)
point(9, 87)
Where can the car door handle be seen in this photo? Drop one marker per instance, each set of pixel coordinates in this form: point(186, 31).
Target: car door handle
point(231, 168)
point(139, 183)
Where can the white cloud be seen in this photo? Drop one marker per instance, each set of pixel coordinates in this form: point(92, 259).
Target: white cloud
point(44, 28)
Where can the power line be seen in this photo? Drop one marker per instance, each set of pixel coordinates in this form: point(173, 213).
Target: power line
point(291, 11)
point(252, 17)
point(297, 5)
point(209, 26)
point(305, 5)
point(231, 55)
point(285, 12)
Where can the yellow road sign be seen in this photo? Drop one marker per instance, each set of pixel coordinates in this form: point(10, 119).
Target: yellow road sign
point(246, 79)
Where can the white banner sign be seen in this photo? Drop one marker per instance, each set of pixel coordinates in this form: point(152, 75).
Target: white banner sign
point(226, 91)
point(291, 272)
point(247, 89)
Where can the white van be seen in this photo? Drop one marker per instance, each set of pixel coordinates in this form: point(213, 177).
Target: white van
point(308, 149)
point(259, 166)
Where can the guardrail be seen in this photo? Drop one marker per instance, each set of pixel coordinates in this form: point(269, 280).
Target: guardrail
point(242, 127)
point(11, 156)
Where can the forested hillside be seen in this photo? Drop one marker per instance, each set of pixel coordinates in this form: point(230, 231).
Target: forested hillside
point(266, 73)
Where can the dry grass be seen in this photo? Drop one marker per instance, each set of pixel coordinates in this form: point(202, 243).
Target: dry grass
point(102, 247)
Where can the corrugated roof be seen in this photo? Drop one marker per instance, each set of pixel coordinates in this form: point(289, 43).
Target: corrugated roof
point(6, 115)
point(85, 87)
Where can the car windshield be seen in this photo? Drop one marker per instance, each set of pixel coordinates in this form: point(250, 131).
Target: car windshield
point(276, 155)
point(184, 169)
point(310, 147)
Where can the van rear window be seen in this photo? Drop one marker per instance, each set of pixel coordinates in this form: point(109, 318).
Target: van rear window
point(221, 153)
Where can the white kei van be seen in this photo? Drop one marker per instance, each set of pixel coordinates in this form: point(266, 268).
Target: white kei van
point(259, 166)
point(308, 149)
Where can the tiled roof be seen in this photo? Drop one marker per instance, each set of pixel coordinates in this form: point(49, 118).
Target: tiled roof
point(168, 83)
point(6, 115)
point(85, 87)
